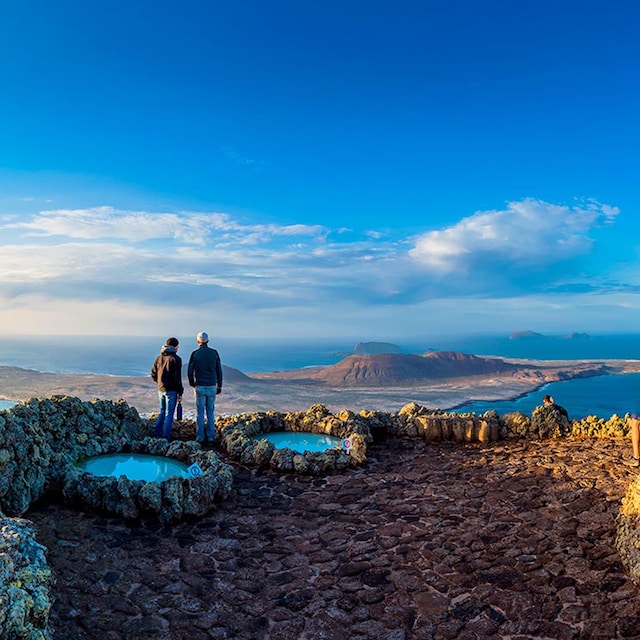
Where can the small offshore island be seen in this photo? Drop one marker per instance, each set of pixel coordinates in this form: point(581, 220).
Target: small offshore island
point(364, 380)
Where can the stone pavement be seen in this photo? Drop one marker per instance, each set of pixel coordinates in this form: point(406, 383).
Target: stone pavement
point(510, 541)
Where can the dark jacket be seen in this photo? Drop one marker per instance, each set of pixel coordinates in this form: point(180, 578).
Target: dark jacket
point(167, 370)
point(205, 369)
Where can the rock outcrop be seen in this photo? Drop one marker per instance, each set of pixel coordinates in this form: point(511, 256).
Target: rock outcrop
point(42, 438)
point(628, 531)
point(237, 436)
point(25, 582)
point(550, 421)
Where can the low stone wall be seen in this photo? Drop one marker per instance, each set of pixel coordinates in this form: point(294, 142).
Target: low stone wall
point(416, 421)
point(594, 427)
point(434, 425)
point(628, 531)
point(41, 438)
point(25, 583)
point(169, 500)
point(236, 435)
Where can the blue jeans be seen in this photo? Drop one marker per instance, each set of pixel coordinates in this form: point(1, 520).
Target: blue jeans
point(205, 399)
point(164, 423)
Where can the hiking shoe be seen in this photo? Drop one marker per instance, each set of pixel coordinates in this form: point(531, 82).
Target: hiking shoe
point(634, 462)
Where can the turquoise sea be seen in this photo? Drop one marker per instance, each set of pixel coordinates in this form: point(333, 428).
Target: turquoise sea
point(602, 396)
point(133, 356)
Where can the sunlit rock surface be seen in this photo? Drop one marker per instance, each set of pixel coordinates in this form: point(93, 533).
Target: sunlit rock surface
point(42, 438)
point(628, 531)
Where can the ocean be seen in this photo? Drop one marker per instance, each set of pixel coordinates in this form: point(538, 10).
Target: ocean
point(133, 356)
point(601, 396)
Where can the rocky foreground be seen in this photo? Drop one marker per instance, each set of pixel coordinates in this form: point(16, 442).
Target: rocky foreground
point(513, 540)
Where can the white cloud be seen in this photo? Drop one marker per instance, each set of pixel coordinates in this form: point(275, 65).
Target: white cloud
point(196, 263)
point(100, 223)
point(33, 263)
point(527, 234)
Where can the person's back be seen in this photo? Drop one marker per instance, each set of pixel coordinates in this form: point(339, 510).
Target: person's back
point(205, 369)
point(205, 376)
point(167, 370)
point(167, 373)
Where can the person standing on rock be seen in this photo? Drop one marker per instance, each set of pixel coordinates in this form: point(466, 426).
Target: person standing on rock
point(205, 376)
point(634, 429)
point(167, 373)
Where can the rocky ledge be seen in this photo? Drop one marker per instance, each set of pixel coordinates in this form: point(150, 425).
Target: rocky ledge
point(25, 582)
point(628, 530)
point(42, 438)
point(424, 541)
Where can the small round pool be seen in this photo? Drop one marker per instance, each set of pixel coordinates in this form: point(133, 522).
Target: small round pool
point(301, 441)
point(135, 466)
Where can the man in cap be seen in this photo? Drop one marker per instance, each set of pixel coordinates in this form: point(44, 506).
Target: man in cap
point(205, 376)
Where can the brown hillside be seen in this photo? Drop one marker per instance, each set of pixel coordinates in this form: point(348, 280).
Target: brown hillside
point(230, 374)
point(453, 363)
point(398, 369)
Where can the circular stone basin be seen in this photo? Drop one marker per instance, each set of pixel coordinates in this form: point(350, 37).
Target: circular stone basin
point(135, 466)
point(300, 441)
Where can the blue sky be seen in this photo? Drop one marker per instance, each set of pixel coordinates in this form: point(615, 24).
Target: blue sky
point(380, 170)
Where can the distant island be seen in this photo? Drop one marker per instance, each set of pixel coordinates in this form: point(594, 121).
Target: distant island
point(525, 335)
point(375, 348)
point(533, 335)
point(386, 382)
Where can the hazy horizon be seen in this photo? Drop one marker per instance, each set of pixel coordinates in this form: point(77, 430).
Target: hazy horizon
point(133, 355)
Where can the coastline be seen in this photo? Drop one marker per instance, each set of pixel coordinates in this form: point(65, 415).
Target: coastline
point(285, 391)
